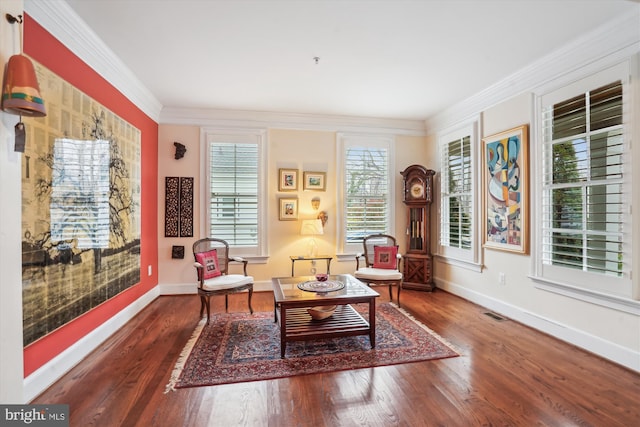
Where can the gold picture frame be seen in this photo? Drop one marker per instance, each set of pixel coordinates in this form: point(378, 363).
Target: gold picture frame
point(314, 181)
point(287, 179)
point(505, 191)
point(288, 208)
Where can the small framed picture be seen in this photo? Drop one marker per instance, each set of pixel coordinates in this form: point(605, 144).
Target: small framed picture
point(315, 181)
point(287, 179)
point(177, 252)
point(288, 209)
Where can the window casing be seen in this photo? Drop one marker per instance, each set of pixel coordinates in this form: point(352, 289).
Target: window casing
point(235, 191)
point(585, 190)
point(458, 231)
point(367, 189)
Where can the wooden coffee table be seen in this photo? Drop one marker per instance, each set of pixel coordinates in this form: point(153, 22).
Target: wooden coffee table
point(291, 303)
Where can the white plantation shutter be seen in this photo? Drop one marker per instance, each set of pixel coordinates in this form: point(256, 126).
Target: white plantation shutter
point(456, 194)
point(366, 192)
point(458, 212)
point(80, 192)
point(233, 210)
point(586, 221)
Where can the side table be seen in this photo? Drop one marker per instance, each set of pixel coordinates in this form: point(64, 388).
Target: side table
point(295, 258)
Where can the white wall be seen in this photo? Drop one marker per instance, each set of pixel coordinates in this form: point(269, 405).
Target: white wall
point(305, 149)
point(174, 274)
point(609, 332)
point(605, 331)
point(11, 360)
point(608, 329)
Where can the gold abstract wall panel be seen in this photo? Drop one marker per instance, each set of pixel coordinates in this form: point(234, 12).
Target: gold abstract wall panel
point(80, 207)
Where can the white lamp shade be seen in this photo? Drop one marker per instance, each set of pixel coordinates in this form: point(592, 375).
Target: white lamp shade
point(311, 227)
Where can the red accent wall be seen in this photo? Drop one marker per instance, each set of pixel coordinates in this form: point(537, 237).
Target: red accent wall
point(48, 51)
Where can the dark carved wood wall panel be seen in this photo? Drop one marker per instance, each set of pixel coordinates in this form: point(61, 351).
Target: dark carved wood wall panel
point(178, 211)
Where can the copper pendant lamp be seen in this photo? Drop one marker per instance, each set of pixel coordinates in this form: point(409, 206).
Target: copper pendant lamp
point(20, 89)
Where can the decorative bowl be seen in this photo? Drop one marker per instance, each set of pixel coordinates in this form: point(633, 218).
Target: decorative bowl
point(322, 277)
point(321, 312)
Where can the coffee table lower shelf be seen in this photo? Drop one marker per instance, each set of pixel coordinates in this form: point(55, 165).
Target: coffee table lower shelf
point(297, 325)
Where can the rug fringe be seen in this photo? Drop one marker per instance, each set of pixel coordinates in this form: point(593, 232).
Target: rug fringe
point(182, 359)
point(261, 361)
point(425, 327)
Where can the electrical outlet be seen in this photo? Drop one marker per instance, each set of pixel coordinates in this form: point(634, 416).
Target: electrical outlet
point(502, 280)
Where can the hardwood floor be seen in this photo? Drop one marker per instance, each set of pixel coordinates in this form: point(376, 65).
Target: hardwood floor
point(508, 375)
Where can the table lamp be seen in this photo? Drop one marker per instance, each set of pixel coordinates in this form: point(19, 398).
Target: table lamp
point(312, 227)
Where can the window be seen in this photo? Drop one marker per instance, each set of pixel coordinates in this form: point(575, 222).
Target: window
point(585, 225)
point(367, 189)
point(456, 194)
point(80, 192)
point(458, 231)
point(234, 191)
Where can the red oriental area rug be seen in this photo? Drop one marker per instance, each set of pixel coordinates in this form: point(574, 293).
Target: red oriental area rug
point(240, 347)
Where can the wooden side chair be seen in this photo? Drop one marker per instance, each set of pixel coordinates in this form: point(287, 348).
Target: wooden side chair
point(212, 264)
point(381, 263)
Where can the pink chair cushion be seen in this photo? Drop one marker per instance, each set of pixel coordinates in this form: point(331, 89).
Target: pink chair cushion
point(385, 257)
point(209, 261)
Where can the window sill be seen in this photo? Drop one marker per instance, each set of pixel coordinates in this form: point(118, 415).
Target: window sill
point(255, 259)
point(614, 302)
point(346, 257)
point(459, 263)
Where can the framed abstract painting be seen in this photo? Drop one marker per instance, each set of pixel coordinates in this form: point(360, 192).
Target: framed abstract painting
point(506, 190)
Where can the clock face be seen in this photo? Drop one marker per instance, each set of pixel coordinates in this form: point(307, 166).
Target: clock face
point(417, 190)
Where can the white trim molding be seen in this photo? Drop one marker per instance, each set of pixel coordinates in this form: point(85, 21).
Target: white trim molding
point(610, 43)
point(473, 257)
point(614, 302)
point(296, 121)
point(626, 357)
point(260, 136)
point(59, 19)
point(473, 266)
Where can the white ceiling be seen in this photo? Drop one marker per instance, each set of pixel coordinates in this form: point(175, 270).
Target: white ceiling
point(392, 59)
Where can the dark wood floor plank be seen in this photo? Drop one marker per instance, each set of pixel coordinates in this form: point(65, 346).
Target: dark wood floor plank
point(508, 374)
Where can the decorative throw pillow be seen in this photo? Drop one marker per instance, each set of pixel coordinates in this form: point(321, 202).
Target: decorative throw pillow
point(385, 257)
point(209, 260)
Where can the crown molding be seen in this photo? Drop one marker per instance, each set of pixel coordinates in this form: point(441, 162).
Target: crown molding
point(64, 24)
point(610, 43)
point(297, 121)
point(613, 42)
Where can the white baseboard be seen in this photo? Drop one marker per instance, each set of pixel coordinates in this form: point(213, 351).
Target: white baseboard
point(50, 372)
point(53, 370)
point(606, 349)
point(177, 288)
point(190, 288)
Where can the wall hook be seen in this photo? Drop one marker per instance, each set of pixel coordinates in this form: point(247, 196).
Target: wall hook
point(13, 19)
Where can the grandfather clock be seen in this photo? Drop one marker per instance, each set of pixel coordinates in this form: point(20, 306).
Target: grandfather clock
point(417, 196)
